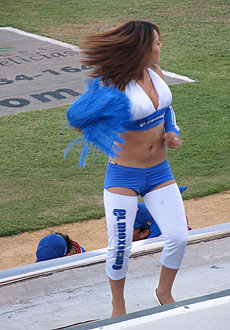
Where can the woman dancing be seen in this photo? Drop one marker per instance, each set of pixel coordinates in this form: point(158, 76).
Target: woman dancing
point(128, 58)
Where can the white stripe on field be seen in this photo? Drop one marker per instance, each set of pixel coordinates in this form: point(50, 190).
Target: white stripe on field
point(36, 36)
point(178, 76)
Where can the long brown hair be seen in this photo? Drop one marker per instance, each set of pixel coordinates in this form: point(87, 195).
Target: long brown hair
point(119, 55)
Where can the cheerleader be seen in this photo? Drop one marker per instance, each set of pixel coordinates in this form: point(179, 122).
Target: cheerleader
point(127, 113)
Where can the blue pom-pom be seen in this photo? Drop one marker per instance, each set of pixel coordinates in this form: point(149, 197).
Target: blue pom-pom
point(100, 113)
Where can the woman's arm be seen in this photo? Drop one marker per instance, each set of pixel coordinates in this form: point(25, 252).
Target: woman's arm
point(172, 130)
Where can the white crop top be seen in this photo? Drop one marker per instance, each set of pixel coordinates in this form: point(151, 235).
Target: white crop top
point(141, 104)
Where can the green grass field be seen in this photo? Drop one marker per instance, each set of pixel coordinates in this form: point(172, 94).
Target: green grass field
point(38, 188)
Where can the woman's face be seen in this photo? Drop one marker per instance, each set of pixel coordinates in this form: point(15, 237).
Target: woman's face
point(154, 57)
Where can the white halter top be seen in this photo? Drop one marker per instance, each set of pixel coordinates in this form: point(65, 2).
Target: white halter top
point(141, 104)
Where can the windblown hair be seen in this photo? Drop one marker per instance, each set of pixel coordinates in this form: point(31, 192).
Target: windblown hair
point(119, 55)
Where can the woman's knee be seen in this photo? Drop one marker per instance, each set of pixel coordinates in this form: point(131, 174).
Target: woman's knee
point(178, 240)
point(117, 260)
point(120, 215)
point(174, 249)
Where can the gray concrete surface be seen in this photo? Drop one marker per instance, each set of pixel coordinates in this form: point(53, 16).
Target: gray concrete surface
point(81, 295)
point(209, 312)
point(38, 72)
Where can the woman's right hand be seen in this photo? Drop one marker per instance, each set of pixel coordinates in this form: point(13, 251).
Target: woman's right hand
point(172, 140)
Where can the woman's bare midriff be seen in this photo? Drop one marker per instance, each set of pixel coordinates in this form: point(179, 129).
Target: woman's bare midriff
point(142, 149)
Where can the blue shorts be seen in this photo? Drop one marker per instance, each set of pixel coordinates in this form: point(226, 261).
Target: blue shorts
point(142, 180)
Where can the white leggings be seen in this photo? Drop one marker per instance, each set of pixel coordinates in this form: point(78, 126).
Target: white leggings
point(167, 208)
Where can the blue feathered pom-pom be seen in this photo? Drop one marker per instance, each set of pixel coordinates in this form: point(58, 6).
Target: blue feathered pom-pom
point(100, 113)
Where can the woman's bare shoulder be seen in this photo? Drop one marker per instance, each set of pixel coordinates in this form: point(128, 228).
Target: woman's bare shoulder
point(157, 69)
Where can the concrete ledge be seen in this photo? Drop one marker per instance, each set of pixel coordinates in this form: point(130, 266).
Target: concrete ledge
point(143, 247)
point(207, 312)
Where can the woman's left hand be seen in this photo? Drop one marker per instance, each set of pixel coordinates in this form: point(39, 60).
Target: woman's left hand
point(172, 140)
